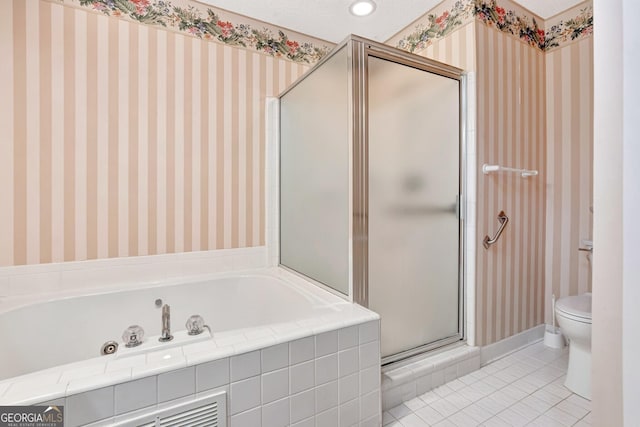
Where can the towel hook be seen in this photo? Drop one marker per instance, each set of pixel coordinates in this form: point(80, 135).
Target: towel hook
point(503, 219)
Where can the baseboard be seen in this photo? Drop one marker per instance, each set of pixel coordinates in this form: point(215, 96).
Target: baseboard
point(499, 349)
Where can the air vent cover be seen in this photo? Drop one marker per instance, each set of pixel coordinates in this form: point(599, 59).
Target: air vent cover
point(205, 411)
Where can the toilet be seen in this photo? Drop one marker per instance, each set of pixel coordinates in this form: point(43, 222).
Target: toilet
point(574, 317)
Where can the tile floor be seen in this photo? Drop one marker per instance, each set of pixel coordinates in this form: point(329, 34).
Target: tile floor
point(523, 389)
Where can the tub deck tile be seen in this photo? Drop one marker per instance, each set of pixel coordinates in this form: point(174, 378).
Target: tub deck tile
point(227, 340)
point(159, 366)
point(126, 362)
point(17, 394)
point(254, 344)
point(199, 347)
point(82, 372)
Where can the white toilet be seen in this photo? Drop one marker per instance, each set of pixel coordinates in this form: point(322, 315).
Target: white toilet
point(574, 317)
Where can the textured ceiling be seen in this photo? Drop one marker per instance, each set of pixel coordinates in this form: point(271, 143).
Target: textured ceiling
point(330, 19)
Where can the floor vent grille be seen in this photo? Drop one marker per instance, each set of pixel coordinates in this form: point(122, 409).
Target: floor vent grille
point(206, 411)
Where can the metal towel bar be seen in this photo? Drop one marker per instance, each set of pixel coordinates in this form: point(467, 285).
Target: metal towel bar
point(504, 219)
point(525, 173)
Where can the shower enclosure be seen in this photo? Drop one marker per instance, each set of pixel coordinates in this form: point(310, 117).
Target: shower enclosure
point(371, 188)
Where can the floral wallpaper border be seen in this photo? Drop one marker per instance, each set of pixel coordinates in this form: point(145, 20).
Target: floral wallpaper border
point(437, 26)
point(574, 28)
point(207, 24)
point(527, 28)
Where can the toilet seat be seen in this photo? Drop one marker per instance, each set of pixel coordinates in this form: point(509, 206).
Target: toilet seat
point(576, 308)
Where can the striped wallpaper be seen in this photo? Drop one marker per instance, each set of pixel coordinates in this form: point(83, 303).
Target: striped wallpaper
point(569, 178)
point(457, 48)
point(121, 139)
point(510, 132)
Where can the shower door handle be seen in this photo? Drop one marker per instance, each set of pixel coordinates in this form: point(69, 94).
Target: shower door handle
point(426, 209)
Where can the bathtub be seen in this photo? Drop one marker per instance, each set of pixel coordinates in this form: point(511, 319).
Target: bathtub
point(51, 346)
point(57, 332)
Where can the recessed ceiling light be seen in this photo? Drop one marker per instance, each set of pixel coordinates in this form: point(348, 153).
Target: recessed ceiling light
point(362, 7)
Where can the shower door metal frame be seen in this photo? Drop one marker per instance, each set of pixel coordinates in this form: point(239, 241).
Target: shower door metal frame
point(358, 51)
point(361, 50)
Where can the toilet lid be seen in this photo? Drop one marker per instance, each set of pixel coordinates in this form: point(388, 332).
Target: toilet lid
point(579, 305)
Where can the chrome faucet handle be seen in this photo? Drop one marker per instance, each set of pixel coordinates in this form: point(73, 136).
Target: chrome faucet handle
point(165, 335)
point(133, 336)
point(195, 325)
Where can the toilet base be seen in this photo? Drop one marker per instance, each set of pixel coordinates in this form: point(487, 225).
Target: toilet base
point(579, 371)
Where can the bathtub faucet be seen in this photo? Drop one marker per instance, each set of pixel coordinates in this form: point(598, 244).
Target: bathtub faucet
point(166, 324)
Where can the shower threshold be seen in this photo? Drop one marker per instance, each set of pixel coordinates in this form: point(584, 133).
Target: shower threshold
point(406, 379)
point(430, 348)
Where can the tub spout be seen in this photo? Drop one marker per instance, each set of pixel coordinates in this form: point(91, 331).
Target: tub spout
point(166, 324)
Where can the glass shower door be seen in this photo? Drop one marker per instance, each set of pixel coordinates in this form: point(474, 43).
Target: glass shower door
point(414, 227)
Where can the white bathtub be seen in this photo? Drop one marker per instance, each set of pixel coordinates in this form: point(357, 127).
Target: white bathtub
point(56, 343)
